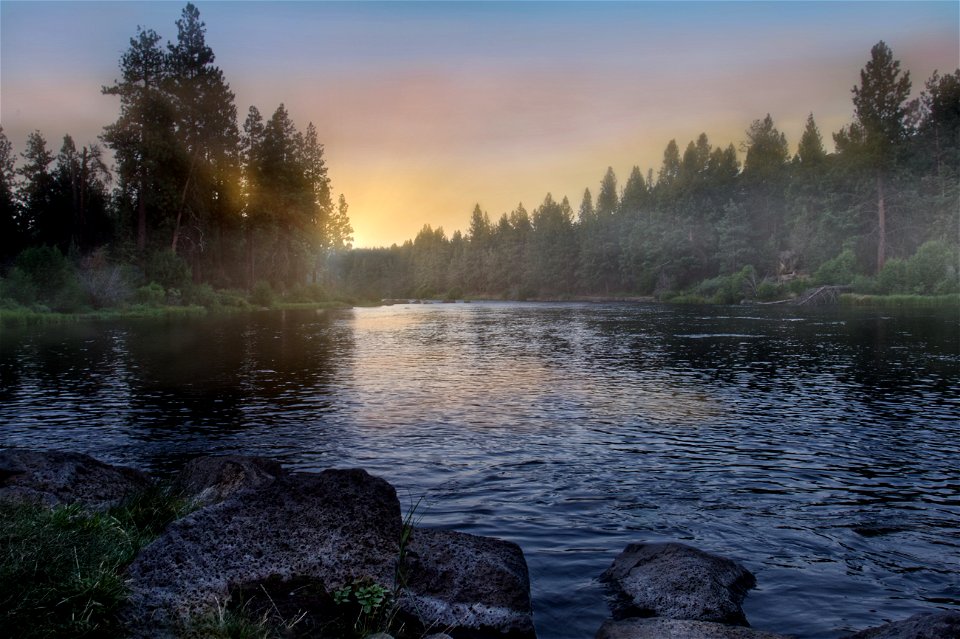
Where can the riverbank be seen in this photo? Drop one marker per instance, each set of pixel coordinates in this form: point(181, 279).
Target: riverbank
point(237, 546)
point(23, 316)
point(26, 316)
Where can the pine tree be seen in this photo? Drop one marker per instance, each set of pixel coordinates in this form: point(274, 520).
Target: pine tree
point(206, 124)
point(12, 234)
point(142, 137)
point(810, 150)
point(634, 194)
point(608, 199)
point(880, 104)
point(36, 191)
point(767, 150)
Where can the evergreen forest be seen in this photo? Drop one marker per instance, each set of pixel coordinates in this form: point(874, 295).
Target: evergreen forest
point(200, 208)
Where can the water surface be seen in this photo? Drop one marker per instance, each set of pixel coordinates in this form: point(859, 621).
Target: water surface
point(819, 448)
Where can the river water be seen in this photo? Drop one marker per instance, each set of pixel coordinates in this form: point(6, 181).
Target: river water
point(818, 448)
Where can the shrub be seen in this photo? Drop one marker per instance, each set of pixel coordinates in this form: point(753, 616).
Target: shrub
point(201, 295)
point(838, 270)
point(262, 294)
point(18, 286)
point(934, 269)
point(768, 291)
point(232, 298)
point(864, 284)
point(730, 289)
point(102, 283)
point(307, 293)
point(152, 294)
point(168, 269)
point(42, 274)
point(892, 278)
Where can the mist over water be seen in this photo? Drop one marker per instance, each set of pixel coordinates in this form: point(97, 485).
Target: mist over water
point(819, 448)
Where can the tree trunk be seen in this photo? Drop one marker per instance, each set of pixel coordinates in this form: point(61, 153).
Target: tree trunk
point(142, 218)
point(881, 225)
point(183, 203)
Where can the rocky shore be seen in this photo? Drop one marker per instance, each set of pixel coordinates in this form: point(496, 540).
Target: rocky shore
point(306, 547)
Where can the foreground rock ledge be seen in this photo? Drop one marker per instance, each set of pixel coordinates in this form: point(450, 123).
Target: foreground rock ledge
point(55, 478)
point(330, 528)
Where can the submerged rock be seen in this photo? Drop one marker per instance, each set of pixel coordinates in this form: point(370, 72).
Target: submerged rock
point(467, 585)
point(928, 625)
point(677, 581)
point(211, 479)
point(54, 478)
point(659, 628)
point(329, 529)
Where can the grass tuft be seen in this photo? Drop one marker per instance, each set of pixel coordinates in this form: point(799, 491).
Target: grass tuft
point(61, 569)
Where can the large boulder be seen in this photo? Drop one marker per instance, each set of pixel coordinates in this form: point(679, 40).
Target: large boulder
point(211, 479)
point(930, 625)
point(466, 586)
point(660, 628)
point(53, 478)
point(677, 581)
point(323, 530)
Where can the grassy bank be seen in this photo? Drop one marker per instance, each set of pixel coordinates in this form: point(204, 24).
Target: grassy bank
point(12, 316)
point(901, 301)
point(24, 316)
point(61, 569)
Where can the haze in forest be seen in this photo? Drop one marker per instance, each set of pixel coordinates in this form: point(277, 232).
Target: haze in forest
point(425, 110)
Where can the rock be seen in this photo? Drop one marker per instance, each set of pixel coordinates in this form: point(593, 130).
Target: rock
point(53, 478)
point(660, 628)
point(928, 625)
point(324, 530)
point(677, 581)
point(211, 479)
point(467, 585)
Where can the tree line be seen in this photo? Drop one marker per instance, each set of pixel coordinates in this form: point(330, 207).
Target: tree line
point(194, 198)
point(882, 211)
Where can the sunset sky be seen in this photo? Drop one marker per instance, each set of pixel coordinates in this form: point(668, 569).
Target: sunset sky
point(428, 108)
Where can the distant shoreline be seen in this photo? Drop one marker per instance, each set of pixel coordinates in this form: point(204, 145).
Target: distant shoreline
point(32, 316)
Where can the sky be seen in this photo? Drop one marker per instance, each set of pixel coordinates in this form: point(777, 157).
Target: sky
point(426, 109)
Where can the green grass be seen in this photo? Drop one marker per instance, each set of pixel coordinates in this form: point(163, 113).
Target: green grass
point(21, 315)
point(901, 301)
point(687, 298)
point(61, 569)
point(308, 306)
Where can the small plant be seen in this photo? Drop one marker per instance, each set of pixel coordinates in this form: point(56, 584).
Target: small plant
point(368, 601)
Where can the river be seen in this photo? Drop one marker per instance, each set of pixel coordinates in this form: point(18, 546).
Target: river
point(818, 448)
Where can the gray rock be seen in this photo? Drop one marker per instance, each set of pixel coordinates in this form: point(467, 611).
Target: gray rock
point(660, 628)
point(53, 478)
point(467, 585)
point(677, 581)
point(929, 625)
point(325, 530)
point(211, 479)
